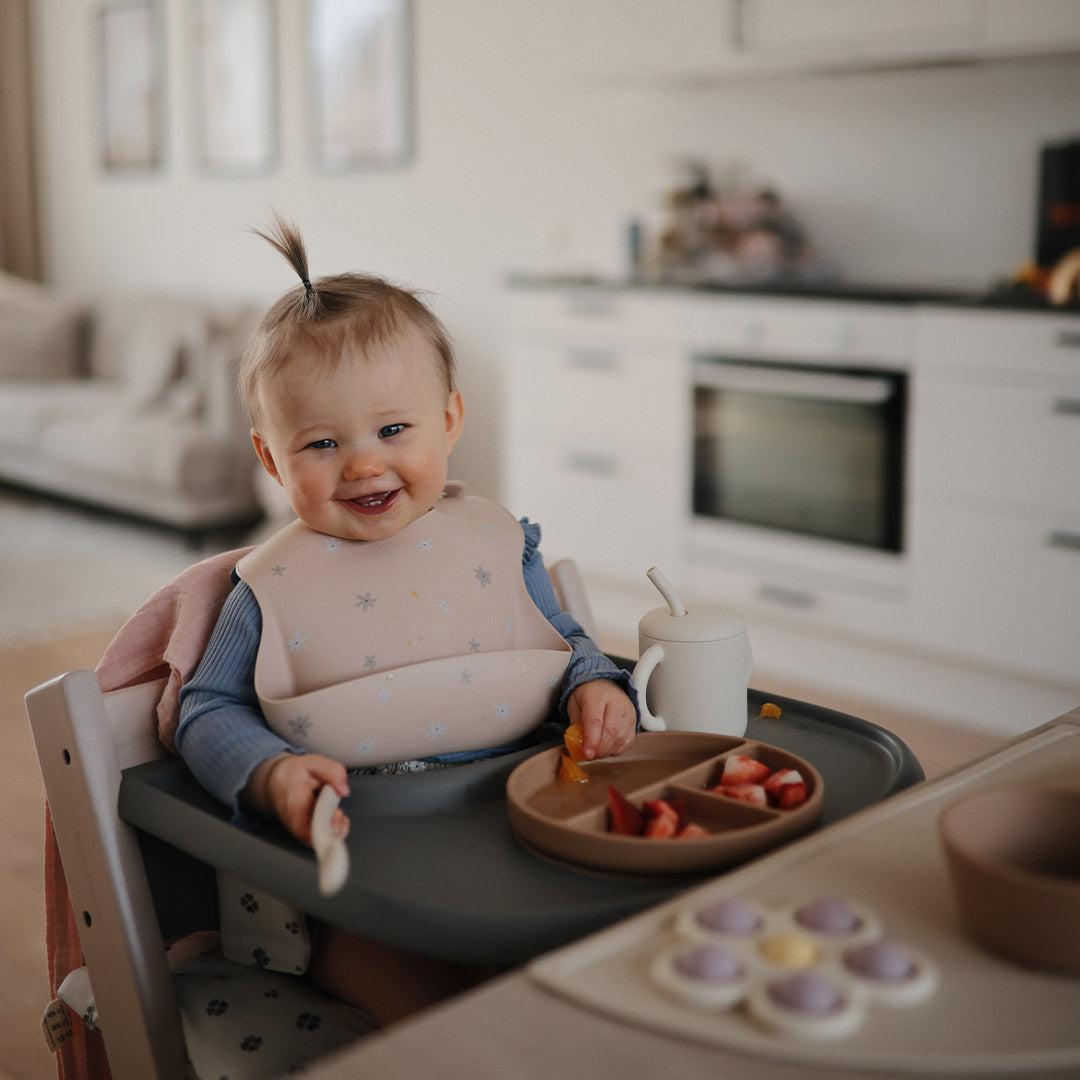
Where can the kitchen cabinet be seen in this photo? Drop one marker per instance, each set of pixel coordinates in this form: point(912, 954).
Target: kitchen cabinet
point(596, 417)
point(599, 449)
point(693, 41)
point(996, 488)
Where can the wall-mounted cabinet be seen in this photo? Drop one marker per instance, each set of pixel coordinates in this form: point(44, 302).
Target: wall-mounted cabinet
point(685, 41)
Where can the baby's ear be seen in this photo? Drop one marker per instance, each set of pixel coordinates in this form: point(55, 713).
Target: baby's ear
point(455, 417)
point(262, 449)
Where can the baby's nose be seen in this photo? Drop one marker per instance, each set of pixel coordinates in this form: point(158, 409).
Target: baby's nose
point(364, 463)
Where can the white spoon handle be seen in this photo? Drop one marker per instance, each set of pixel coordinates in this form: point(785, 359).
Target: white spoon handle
point(330, 850)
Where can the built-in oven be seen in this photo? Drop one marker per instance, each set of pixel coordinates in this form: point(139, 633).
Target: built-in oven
point(808, 450)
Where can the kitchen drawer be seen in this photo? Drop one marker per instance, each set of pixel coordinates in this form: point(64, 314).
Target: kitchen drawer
point(985, 341)
point(601, 400)
point(616, 516)
point(999, 589)
point(824, 331)
point(998, 444)
point(588, 316)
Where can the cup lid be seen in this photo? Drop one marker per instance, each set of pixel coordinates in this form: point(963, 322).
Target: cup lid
point(702, 622)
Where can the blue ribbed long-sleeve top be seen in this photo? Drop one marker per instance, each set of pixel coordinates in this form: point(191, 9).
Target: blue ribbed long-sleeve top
point(222, 734)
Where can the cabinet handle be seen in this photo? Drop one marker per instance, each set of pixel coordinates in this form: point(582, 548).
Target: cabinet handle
point(793, 598)
point(1059, 538)
point(582, 461)
point(1064, 406)
point(587, 360)
point(1068, 339)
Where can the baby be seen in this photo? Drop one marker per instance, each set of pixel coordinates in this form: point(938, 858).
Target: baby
point(392, 626)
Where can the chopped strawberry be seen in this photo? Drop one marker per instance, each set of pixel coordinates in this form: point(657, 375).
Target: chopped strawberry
point(786, 788)
point(678, 804)
point(741, 769)
point(691, 831)
point(625, 818)
point(748, 793)
point(791, 795)
point(663, 819)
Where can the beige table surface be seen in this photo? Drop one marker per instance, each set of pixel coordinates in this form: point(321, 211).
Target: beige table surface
point(513, 1029)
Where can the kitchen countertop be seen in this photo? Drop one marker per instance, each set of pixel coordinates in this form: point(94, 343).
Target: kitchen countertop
point(992, 298)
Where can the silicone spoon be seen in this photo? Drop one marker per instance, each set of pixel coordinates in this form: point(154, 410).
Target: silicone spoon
point(330, 851)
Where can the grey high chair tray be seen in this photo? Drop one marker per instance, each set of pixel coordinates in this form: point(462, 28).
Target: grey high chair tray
point(435, 867)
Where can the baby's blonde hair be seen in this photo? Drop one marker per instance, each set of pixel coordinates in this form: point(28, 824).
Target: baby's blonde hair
point(328, 318)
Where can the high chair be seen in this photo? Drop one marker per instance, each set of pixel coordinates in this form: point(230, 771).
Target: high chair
point(84, 740)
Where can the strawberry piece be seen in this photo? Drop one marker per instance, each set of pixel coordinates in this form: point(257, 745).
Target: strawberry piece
point(570, 772)
point(678, 804)
point(754, 794)
point(791, 795)
point(624, 817)
point(663, 820)
point(741, 769)
point(691, 831)
point(779, 779)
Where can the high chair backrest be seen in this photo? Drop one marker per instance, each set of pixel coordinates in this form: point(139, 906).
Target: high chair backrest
point(84, 739)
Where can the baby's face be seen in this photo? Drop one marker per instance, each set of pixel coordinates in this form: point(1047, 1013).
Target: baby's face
point(361, 448)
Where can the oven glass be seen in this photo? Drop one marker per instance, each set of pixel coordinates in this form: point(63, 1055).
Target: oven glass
point(812, 451)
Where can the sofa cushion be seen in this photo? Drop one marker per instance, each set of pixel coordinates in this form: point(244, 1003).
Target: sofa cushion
point(41, 331)
point(27, 408)
point(145, 342)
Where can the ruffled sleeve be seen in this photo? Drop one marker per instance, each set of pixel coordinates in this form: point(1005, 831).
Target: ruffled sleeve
point(532, 540)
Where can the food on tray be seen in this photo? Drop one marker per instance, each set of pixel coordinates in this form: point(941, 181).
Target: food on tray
point(749, 780)
point(570, 772)
point(574, 740)
point(754, 794)
point(623, 816)
point(789, 950)
point(771, 711)
point(661, 819)
point(828, 915)
point(786, 789)
point(742, 769)
point(658, 819)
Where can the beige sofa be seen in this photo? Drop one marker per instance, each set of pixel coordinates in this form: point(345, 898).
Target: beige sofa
point(126, 402)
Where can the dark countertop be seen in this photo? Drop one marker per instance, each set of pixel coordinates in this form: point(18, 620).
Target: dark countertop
point(995, 297)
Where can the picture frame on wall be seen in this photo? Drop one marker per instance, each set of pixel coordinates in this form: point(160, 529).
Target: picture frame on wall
point(235, 81)
point(131, 73)
point(361, 77)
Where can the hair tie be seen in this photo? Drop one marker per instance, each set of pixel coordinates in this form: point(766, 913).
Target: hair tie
point(307, 285)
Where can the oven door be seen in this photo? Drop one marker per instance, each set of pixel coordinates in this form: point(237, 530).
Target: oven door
point(814, 451)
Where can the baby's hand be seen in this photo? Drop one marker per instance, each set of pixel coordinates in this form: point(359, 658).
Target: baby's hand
point(606, 716)
point(292, 786)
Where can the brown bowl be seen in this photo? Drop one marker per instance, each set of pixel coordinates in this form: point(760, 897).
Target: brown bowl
point(1014, 857)
point(570, 821)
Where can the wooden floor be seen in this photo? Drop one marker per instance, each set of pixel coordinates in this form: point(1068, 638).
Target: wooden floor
point(23, 988)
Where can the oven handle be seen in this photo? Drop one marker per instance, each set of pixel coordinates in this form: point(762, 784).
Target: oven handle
point(828, 386)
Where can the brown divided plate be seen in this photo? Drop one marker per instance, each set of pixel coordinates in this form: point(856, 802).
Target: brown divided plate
point(570, 820)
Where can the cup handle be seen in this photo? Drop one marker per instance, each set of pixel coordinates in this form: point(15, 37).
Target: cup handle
point(639, 680)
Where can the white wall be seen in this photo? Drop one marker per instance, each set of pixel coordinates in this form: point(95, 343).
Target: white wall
point(919, 177)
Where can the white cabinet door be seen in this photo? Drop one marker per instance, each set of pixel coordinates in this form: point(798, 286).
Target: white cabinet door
point(1003, 590)
point(598, 449)
point(847, 31)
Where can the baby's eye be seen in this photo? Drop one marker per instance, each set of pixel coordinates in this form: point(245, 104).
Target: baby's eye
point(391, 430)
point(322, 444)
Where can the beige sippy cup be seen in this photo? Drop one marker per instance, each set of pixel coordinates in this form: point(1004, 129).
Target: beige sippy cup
point(694, 666)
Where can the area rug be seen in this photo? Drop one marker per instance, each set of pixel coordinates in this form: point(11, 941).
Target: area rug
point(65, 571)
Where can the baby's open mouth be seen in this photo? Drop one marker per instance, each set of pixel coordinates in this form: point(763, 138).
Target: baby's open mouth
point(376, 503)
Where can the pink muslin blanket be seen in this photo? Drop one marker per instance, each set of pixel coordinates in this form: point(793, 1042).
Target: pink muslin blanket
point(166, 636)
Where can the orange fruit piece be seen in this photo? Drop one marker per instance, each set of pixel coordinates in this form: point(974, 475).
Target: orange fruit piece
point(574, 739)
point(771, 710)
point(570, 772)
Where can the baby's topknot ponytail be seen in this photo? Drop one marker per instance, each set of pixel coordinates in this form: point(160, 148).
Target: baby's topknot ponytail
point(285, 237)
